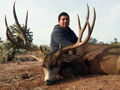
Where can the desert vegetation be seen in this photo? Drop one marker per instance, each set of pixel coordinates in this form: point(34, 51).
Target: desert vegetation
point(8, 51)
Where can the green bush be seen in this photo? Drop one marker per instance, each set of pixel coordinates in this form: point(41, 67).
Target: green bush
point(6, 51)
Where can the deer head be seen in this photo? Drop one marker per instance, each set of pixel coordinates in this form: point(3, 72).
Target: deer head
point(51, 62)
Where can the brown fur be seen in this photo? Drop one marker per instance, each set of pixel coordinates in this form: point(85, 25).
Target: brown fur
point(101, 58)
point(89, 58)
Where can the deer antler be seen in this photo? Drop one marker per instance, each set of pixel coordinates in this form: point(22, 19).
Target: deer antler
point(10, 36)
point(79, 26)
point(18, 25)
point(90, 29)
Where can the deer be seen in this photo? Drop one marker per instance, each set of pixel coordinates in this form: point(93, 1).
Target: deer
point(89, 58)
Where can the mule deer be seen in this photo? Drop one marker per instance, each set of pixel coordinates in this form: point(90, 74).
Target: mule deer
point(56, 62)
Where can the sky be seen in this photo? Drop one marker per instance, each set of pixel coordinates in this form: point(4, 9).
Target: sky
point(43, 16)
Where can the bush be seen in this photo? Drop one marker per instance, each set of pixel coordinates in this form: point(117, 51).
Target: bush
point(6, 51)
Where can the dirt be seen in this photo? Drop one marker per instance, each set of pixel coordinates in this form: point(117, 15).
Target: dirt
point(29, 76)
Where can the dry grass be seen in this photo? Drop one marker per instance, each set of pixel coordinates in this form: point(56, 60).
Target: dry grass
point(29, 76)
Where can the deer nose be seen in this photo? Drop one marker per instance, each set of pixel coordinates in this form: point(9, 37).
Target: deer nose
point(48, 82)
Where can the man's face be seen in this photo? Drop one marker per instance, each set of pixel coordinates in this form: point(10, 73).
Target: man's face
point(64, 21)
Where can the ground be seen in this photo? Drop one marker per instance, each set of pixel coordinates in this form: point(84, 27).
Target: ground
point(29, 76)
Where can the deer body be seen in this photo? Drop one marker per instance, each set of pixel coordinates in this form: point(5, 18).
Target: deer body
point(58, 62)
point(104, 59)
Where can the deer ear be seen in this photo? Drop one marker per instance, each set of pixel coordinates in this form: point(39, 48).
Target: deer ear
point(40, 59)
point(38, 55)
point(58, 51)
point(70, 58)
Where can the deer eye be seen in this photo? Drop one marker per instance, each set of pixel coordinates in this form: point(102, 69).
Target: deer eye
point(43, 65)
point(54, 66)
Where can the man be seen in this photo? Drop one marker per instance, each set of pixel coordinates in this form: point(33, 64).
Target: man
point(62, 34)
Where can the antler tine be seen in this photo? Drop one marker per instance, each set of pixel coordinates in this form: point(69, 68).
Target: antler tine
point(87, 17)
point(79, 27)
point(83, 29)
point(93, 22)
point(26, 20)
point(18, 25)
point(8, 33)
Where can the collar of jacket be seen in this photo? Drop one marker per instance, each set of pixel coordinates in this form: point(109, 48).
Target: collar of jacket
point(58, 27)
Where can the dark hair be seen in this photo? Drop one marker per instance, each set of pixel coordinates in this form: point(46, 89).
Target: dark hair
point(63, 14)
